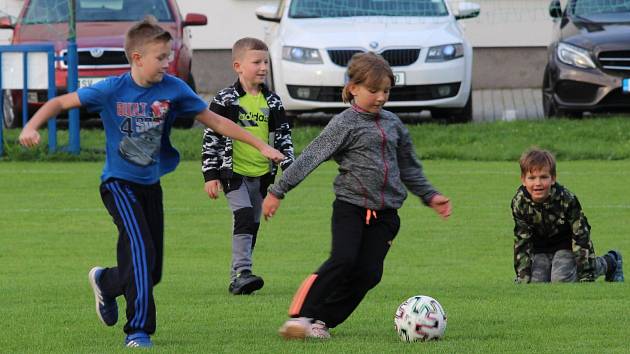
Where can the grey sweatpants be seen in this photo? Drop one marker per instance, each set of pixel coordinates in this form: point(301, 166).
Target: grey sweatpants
point(246, 205)
point(560, 267)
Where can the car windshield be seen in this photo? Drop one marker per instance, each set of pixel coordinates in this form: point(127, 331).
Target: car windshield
point(56, 11)
point(353, 8)
point(598, 7)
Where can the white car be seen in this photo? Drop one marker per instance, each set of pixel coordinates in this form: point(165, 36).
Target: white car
point(311, 42)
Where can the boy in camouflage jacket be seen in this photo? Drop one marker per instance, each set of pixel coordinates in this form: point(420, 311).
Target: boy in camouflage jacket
point(239, 171)
point(552, 235)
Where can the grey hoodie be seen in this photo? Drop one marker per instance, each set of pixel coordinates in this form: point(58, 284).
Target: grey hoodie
point(375, 156)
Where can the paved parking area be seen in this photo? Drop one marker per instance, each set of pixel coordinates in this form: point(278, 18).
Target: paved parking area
point(488, 106)
point(507, 104)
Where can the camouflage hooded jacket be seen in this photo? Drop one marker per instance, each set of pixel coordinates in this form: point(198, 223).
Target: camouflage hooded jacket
point(216, 153)
point(558, 223)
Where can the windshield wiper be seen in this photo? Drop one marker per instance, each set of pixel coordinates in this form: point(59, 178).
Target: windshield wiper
point(582, 18)
point(305, 16)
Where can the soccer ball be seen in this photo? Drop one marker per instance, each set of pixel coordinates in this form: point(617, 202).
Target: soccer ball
point(420, 318)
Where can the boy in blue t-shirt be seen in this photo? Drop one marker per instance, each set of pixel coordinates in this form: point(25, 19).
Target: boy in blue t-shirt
point(138, 109)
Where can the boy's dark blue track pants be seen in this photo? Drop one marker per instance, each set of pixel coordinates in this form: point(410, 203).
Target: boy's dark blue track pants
point(138, 213)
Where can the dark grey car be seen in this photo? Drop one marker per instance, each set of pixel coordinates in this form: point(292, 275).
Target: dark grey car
point(588, 67)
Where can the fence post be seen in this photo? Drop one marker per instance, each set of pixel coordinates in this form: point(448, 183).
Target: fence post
point(52, 92)
point(74, 145)
point(25, 49)
point(1, 110)
point(25, 88)
point(73, 78)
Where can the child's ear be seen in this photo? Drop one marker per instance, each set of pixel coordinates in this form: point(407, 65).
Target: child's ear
point(553, 180)
point(522, 180)
point(353, 89)
point(236, 65)
point(135, 58)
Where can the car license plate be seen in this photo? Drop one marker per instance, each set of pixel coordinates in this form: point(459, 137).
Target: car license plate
point(625, 86)
point(399, 78)
point(89, 81)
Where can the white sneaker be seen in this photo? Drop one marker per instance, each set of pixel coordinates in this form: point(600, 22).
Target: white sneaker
point(319, 330)
point(296, 328)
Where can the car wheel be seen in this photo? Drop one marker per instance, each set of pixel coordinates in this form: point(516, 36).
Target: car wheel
point(291, 118)
point(187, 122)
point(10, 118)
point(269, 82)
point(191, 81)
point(465, 114)
point(550, 108)
point(456, 115)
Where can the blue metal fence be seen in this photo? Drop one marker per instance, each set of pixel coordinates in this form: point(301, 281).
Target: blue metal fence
point(25, 49)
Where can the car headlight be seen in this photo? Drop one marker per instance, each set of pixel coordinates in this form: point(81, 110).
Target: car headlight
point(574, 56)
point(445, 52)
point(301, 55)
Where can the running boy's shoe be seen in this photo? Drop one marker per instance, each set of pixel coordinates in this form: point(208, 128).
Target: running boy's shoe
point(296, 328)
point(106, 307)
point(245, 283)
point(319, 330)
point(138, 340)
point(618, 275)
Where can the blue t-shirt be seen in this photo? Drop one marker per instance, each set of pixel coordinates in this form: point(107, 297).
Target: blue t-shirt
point(137, 122)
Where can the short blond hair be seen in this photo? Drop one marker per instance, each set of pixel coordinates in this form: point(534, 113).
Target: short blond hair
point(367, 69)
point(536, 159)
point(142, 33)
point(247, 43)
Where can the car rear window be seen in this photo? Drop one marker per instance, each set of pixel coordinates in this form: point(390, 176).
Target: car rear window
point(353, 8)
point(56, 11)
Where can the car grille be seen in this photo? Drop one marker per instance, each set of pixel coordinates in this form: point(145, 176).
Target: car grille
point(616, 62)
point(341, 57)
point(98, 58)
point(397, 93)
point(395, 57)
point(401, 57)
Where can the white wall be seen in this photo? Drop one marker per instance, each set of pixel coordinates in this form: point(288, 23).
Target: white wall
point(11, 7)
point(509, 23)
point(228, 20)
point(502, 23)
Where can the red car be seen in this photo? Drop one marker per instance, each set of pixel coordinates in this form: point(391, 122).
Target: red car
point(100, 33)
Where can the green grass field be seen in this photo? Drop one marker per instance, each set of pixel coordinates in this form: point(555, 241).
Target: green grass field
point(600, 138)
point(54, 229)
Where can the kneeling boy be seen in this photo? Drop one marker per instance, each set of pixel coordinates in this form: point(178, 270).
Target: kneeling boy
point(552, 236)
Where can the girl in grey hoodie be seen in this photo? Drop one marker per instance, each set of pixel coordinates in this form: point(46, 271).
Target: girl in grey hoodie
point(376, 162)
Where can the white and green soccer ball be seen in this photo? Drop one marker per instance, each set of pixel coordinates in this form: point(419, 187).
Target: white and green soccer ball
point(420, 318)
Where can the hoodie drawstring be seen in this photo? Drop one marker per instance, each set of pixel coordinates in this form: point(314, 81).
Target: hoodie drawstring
point(368, 215)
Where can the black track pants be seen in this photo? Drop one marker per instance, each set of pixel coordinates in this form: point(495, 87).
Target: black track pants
point(355, 265)
point(138, 213)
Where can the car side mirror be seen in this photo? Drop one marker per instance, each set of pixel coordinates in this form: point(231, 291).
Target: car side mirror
point(268, 13)
point(6, 22)
point(467, 10)
point(193, 19)
point(555, 9)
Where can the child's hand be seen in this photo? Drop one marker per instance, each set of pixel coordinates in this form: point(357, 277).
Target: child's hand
point(213, 188)
point(270, 205)
point(441, 205)
point(272, 154)
point(29, 137)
